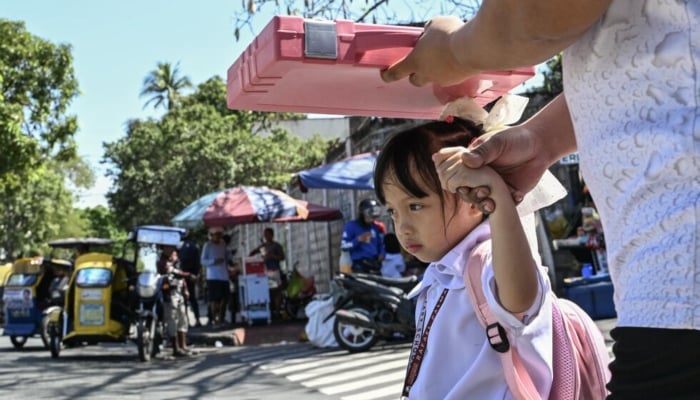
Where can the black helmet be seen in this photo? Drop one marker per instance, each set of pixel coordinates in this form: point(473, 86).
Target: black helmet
point(369, 208)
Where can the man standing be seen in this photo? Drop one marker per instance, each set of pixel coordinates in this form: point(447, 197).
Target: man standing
point(190, 262)
point(272, 254)
point(362, 238)
point(215, 258)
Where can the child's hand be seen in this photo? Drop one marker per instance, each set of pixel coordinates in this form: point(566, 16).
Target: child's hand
point(454, 174)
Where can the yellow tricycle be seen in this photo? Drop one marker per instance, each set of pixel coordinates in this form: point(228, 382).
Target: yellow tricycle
point(99, 302)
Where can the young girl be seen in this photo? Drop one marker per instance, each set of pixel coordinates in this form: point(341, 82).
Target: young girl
point(451, 357)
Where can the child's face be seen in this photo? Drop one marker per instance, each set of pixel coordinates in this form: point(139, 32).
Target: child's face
point(424, 228)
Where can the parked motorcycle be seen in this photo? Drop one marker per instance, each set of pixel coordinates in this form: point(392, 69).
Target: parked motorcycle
point(149, 324)
point(370, 308)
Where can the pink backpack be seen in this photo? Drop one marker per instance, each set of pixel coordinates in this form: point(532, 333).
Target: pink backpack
point(579, 353)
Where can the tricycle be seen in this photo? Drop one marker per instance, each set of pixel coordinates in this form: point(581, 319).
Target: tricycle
point(99, 301)
point(29, 291)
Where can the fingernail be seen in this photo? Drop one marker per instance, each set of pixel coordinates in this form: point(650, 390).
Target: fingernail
point(488, 208)
point(481, 194)
point(463, 190)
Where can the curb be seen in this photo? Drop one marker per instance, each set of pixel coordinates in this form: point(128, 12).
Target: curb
point(255, 335)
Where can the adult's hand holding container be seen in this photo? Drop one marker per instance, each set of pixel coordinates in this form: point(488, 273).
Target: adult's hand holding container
point(332, 67)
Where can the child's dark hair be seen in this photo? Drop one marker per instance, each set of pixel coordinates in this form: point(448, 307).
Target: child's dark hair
point(411, 151)
point(391, 243)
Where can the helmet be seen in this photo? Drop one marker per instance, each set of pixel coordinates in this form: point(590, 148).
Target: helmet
point(369, 209)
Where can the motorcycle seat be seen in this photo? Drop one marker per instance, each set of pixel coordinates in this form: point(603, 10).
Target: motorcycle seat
point(405, 283)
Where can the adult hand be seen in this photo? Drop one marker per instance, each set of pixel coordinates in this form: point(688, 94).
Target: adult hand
point(515, 153)
point(432, 59)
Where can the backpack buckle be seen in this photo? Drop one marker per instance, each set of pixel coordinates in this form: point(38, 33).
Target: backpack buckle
point(498, 339)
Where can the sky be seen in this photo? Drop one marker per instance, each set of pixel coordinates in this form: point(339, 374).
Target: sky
point(115, 44)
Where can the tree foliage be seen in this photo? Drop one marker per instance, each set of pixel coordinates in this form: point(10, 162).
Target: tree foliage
point(37, 84)
point(37, 149)
point(164, 86)
point(198, 147)
point(369, 11)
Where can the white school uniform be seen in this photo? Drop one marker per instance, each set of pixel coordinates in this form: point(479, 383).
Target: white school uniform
point(458, 362)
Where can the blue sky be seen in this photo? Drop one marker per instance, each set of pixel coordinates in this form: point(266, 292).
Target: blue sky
point(117, 43)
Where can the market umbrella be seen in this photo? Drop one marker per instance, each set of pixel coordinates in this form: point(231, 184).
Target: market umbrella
point(351, 173)
point(249, 204)
point(317, 212)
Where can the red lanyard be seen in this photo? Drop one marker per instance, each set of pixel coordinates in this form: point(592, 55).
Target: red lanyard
point(420, 342)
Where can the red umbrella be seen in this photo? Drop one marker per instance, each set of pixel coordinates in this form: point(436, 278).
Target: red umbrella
point(248, 204)
point(317, 212)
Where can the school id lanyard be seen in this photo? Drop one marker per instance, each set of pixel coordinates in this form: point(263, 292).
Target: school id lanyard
point(420, 341)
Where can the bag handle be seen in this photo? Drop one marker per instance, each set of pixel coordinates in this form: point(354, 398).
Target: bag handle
point(377, 39)
point(517, 377)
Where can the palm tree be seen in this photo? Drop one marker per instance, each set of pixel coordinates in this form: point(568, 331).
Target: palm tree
point(164, 85)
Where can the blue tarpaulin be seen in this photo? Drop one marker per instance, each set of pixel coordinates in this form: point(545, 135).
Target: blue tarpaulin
point(351, 173)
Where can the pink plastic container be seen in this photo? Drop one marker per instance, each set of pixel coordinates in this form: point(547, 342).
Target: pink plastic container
point(332, 67)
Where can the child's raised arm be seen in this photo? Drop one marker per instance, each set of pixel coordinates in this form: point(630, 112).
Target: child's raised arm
point(514, 268)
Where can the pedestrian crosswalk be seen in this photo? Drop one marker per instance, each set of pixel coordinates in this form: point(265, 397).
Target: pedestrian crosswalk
point(374, 375)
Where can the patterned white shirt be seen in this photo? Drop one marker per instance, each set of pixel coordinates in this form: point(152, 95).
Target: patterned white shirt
point(632, 83)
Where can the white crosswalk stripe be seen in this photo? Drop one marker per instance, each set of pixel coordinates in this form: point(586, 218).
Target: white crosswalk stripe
point(374, 375)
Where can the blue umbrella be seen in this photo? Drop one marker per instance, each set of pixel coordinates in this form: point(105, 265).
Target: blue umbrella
point(351, 173)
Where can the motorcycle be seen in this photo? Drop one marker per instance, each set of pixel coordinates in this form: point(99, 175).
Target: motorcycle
point(150, 321)
point(151, 286)
point(370, 308)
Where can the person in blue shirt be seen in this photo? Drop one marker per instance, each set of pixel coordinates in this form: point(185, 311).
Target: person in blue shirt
point(363, 238)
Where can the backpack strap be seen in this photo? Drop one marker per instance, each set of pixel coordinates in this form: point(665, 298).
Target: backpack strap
point(517, 377)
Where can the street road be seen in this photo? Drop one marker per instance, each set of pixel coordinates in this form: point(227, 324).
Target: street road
point(275, 372)
point(282, 371)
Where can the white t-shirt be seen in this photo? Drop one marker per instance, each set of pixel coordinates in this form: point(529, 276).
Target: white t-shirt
point(459, 363)
point(393, 265)
point(215, 271)
point(632, 83)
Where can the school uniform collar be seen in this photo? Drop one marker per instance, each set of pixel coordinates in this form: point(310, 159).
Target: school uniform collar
point(448, 271)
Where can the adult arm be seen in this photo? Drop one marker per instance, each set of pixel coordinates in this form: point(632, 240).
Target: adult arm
point(207, 258)
point(349, 240)
point(504, 34)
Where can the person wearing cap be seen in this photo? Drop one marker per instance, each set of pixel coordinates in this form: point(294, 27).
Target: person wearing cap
point(363, 238)
point(215, 259)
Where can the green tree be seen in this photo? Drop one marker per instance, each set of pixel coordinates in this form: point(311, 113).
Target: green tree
point(164, 86)
point(102, 223)
point(161, 165)
point(37, 84)
point(36, 211)
point(37, 148)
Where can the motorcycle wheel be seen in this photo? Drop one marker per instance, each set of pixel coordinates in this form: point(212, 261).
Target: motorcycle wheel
point(291, 307)
point(144, 338)
point(353, 338)
point(54, 342)
point(18, 341)
point(44, 331)
point(157, 338)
